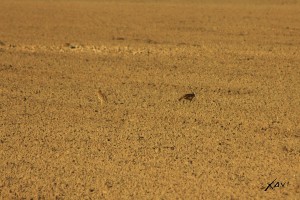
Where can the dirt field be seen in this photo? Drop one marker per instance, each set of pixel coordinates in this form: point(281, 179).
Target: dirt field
point(60, 140)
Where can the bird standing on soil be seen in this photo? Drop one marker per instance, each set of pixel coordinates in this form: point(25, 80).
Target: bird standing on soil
point(189, 97)
point(102, 97)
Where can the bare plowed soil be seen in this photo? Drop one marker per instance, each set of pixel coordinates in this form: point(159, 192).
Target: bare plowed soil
point(89, 99)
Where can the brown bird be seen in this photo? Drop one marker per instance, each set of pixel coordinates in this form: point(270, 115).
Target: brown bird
point(189, 97)
point(102, 97)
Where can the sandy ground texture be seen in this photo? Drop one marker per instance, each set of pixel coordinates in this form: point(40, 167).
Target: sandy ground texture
point(89, 103)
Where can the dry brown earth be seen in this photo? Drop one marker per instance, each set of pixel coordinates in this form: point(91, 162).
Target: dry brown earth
point(59, 140)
